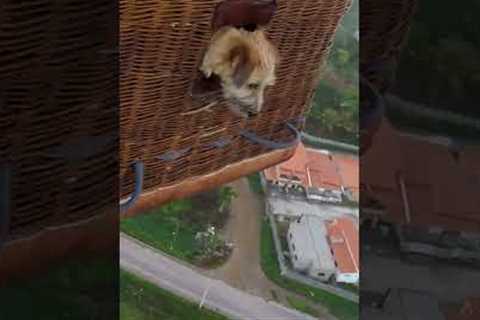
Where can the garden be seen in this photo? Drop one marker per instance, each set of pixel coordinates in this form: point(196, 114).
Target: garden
point(189, 229)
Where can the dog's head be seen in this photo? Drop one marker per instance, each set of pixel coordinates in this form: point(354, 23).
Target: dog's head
point(245, 63)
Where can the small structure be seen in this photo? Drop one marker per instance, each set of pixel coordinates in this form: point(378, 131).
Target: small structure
point(343, 240)
point(309, 248)
point(325, 249)
point(314, 172)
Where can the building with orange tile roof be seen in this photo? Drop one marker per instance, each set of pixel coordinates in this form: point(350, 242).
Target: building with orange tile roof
point(325, 248)
point(348, 168)
point(293, 171)
point(310, 252)
point(343, 239)
point(317, 173)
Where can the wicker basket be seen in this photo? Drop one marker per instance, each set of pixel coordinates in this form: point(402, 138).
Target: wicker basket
point(58, 119)
point(178, 140)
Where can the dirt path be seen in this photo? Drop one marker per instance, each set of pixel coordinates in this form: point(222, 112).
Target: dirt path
point(243, 269)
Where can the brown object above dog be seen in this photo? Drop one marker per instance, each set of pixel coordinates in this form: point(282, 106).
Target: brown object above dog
point(244, 13)
point(245, 64)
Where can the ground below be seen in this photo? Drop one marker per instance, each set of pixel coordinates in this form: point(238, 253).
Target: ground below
point(243, 269)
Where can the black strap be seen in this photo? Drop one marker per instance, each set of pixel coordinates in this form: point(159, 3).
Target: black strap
point(138, 169)
point(252, 136)
point(173, 154)
point(220, 143)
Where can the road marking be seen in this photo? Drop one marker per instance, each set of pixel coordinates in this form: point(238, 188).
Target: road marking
point(204, 296)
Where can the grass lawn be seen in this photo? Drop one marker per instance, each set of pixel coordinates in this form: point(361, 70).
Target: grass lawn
point(173, 228)
point(141, 300)
point(162, 229)
point(302, 306)
point(339, 307)
point(79, 290)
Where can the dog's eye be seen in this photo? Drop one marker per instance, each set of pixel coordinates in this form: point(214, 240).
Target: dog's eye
point(253, 86)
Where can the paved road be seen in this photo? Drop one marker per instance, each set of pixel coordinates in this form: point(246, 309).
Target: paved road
point(214, 294)
point(243, 269)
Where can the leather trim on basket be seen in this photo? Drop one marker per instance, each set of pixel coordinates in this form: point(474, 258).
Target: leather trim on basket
point(153, 198)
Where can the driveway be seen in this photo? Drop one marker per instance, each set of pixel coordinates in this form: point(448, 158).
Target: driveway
point(243, 270)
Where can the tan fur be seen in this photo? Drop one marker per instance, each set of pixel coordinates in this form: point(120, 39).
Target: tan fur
point(245, 62)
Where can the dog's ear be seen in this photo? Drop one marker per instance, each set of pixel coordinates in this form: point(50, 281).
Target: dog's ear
point(241, 64)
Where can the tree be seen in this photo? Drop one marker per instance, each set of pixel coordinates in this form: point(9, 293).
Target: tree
point(225, 197)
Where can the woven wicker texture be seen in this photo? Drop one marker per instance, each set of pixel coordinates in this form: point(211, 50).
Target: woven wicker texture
point(58, 112)
point(383, 29)
point(162, 45)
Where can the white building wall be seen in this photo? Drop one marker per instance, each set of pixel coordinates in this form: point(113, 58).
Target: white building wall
point(351, 278)
point(309, 250)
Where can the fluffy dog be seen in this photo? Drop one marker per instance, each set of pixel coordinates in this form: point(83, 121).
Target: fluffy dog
point(245, 63)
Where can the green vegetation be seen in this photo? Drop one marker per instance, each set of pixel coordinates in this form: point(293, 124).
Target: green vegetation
point(78, 290)
point(300, 305)
point(334, 111)
point(141, 300)
point(187, 229)
point(339, 307)
point(440, 65)
point(255, 183)
point(164, 229)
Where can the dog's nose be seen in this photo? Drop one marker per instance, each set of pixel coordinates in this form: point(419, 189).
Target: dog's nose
point(251, 114)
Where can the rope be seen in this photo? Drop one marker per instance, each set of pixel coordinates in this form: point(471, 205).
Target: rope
point(272, 144)
point(138, 169)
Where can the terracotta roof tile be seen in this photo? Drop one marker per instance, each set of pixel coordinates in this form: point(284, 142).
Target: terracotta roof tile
point(313, 168)
point(348, 167)
point(343, 237)
point(294, 166)
point(322, 170)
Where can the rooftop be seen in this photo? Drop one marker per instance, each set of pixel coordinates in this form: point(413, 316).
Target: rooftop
point(349, 172)
point(310, 236)
point(318, 169)
point(343, 238)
